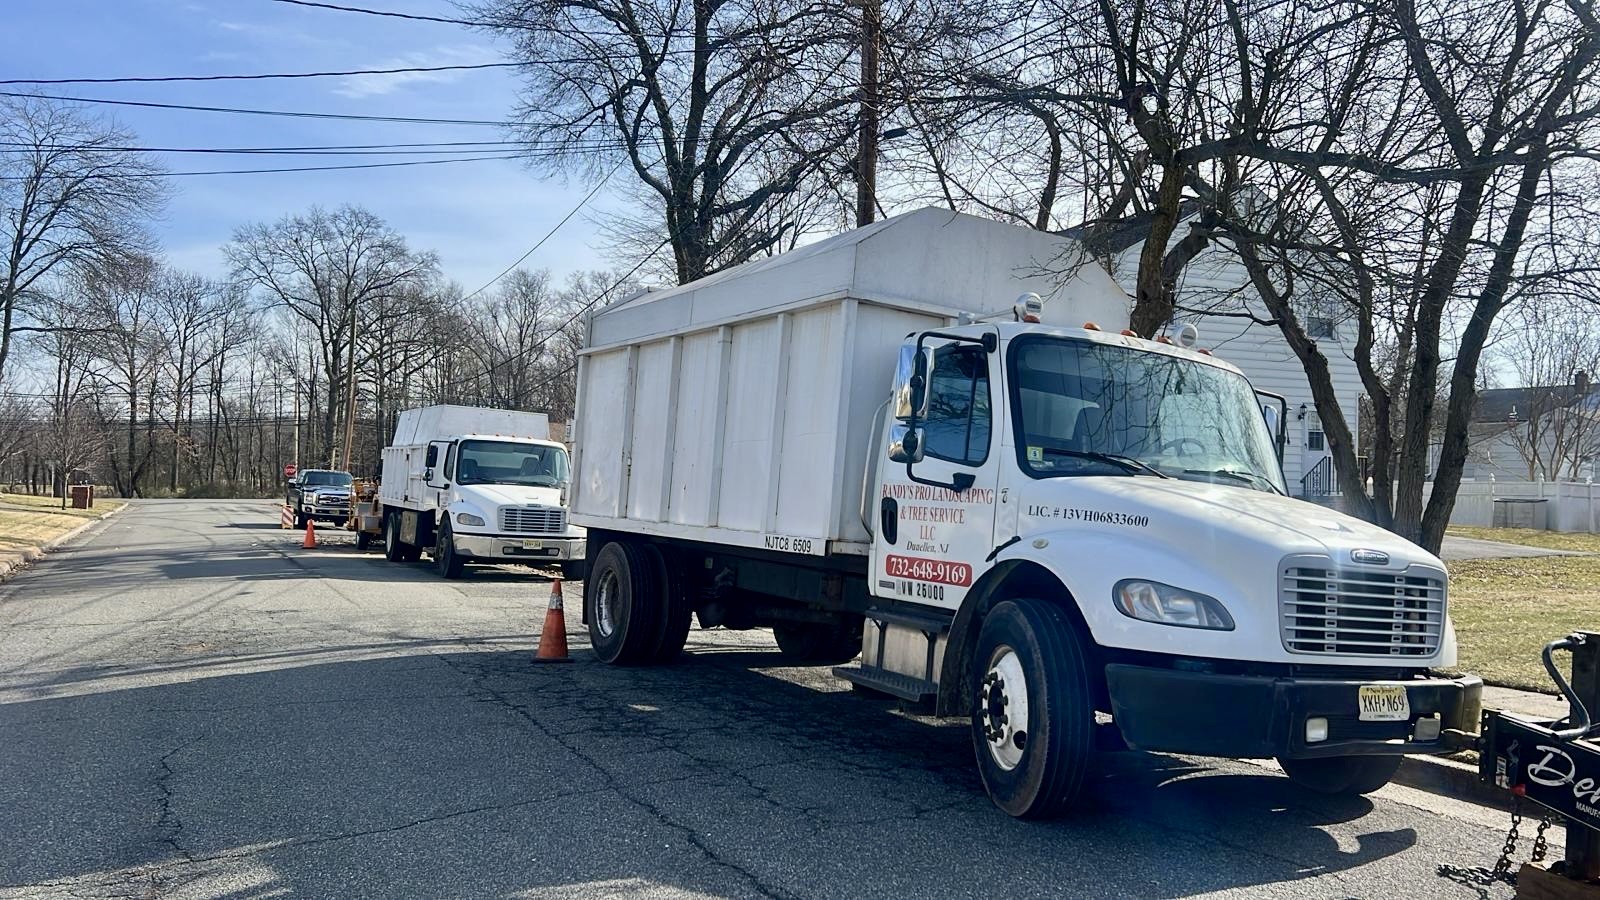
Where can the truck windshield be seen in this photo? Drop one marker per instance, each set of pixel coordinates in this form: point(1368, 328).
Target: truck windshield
point(509, 462)
point(1085, 408)
point(338, 479)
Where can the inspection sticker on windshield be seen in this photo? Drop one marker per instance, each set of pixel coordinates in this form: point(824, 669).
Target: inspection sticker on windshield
point(1383, 703)
point(1035, 454)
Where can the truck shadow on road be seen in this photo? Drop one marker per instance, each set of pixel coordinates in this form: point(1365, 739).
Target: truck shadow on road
point(447, 773)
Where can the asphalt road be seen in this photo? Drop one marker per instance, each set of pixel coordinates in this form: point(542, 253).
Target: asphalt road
point(192, 706)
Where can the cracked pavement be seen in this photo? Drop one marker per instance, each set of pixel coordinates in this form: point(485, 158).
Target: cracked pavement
point(192, 706)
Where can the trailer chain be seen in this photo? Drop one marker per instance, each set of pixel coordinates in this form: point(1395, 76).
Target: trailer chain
point(1483, 876)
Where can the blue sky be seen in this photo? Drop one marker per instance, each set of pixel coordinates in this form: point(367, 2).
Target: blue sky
point(479, 216)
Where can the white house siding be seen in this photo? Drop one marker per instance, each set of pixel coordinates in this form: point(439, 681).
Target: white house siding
point(1215, 280)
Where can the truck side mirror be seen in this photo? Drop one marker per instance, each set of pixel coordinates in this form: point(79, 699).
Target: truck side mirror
point(905, 444)
point(1274, 411)
point(432, 459)
point(911, 382)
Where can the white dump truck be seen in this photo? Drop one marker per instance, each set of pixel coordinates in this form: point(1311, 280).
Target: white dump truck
point(477, 485)
point(1015, 511)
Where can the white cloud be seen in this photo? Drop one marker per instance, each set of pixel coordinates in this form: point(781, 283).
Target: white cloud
point(358, 86)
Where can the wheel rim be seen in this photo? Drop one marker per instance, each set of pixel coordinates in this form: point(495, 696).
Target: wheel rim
point(606, 599)
point(1003, 708)
point(446, 548)
point(390, 542)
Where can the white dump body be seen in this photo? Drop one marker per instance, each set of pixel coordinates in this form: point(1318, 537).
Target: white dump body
point(737, 409)
point(432, 423)
point(404, 458)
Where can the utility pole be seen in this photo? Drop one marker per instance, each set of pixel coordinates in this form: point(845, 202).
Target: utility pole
point(350, 376)
point(295, 456)
point(867, 141)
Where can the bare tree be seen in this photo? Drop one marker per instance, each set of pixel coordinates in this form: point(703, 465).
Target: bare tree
point(328, 270)
point(1555, 354)
point(70, 192)
point(720, 109)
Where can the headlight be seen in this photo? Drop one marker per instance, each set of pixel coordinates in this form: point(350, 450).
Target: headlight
point(469, 519)
point(1152, 601)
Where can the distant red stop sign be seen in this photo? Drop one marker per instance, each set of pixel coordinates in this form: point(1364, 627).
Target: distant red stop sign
point(289, 470)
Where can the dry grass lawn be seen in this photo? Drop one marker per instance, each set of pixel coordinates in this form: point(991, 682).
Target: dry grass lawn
point(1506, 610)
point(28, 521)
point(1553, 540)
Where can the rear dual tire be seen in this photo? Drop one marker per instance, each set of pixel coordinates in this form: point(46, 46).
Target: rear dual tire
point(394, 549)
point(635, 608)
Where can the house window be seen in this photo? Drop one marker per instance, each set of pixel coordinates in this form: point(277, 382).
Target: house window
point(958, 409)
point(1314, 441)
point(1314, 437)
point(1320, 327)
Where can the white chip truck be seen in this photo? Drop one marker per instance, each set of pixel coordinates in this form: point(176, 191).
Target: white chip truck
point(477, 485)
point(1014, 510)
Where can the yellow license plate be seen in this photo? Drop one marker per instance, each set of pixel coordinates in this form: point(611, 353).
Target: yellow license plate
point(533, 545)
point(1383, 703)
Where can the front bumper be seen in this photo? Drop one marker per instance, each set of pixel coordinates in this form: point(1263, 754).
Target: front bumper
point(520, 547)
point(1258, 716)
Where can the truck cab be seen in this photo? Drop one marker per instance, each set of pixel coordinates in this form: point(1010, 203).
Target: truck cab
point(322, 495)
point(1104, 518)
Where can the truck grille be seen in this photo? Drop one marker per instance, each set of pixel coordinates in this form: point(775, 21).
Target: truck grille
point(533, 519)
point(1366, 613)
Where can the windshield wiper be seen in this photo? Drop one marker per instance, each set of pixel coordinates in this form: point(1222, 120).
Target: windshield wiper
point(1127, 463)
point(1250, 478)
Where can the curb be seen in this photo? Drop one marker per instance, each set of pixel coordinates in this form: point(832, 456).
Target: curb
point(1451, 778)
point(20, 559)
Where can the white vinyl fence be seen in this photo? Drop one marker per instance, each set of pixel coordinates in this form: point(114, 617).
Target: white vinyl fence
point(1568, 505)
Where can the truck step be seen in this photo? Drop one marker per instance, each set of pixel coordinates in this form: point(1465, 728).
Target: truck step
point(894, 684)
point(928, 623)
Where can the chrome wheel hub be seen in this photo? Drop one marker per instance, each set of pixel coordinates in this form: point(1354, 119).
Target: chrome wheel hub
point(1003, 708)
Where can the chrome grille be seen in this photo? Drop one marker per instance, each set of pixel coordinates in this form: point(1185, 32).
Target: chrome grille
point(1327, 609)
point(533, 519)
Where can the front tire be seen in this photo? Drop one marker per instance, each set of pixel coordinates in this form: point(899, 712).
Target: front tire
point(624, 598)
point(1341, 775)
point(817, 643)
point(449, 563)
point(1032, 716)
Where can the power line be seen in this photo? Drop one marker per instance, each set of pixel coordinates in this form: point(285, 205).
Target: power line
point(422, 149)
point(261, 112)
point(385, 165)
point(143, 79)
point(589, 304)
point(547, 235)
point(383, 12)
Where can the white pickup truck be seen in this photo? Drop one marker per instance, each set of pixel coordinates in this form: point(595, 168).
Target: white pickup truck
point(477, 485)
point(1016, 513)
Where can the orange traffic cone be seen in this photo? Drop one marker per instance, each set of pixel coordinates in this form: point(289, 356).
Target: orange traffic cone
point(553, 639)
point(310, 543)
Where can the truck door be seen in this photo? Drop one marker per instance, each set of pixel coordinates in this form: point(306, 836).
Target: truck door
point(438, 473)
point(936, 515)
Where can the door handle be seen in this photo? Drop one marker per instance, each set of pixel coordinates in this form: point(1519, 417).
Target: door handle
point(889, 519)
